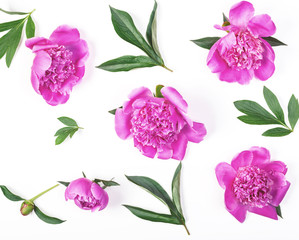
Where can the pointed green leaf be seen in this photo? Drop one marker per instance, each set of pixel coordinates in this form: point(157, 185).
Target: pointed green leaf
point(293, 111)
point(127, 63)
point(30, 28)
point(207, 42)
point(13, 13)
point(277, 132)
point(176, 182)
point(126, 29)
point(151, 31)
point(273, 104)
point(68, 121)
point(46, 218)
point(152, 216)
point(64, 130)
point(64, 183)
point(9, 25)
point(9, 195)
point(61, 138)
point(107, 183)
point(278, 211)
point(158, 91)
point(255, 120)
point(225, 18)
point(274, 42)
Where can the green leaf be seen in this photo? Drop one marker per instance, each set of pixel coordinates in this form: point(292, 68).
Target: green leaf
point(273, 104)
point(274, 42)
point(225, 18)
point(64, 130)
point(151, 31)
point(127, 63)
point(64, 183)
point(46, 218)
point(293, 111)
point(9, 195)
point(9, 25)
point(126, 29)
point(255, 120)
point(175, 186)
point(207, 42)
point(107, 183)
point(30, 28)
point(158, 91)
point(72, 132)
point(68, 121)
point(277, 132)
point(13, 13)
point(278, 211)
point(153, 216)
point(61, 138)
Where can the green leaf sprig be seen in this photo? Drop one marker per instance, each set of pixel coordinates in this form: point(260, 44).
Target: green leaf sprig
point(64, 132)
point(28, 205)
point(173, 204)
point(257, 115)
point(125, 28)
point(11, 40)
point(208, 42)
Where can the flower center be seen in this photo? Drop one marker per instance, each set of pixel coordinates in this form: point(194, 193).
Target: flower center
point(87, 202)
point(61, 69)
point(152, 125)
point(252, 186)
point(247, 53)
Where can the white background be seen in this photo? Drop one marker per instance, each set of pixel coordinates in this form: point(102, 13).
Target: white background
point(30, 162)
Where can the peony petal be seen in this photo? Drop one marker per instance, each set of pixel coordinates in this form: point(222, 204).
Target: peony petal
point(79, 187)
point(233, 206)
point(225, 174)
point(268, 50)
point(226, 43)
point(41, 63)
point(262, 26)
point(278, 194)
point(35, 82)
point(267, 211)
point(165, 153)
point(122, 124)
point(243, 159)
point(101, 195)
point(68, 84)
point(80, 52)
point(173, 96)
point(275, 166)
point(214, 61)
point(278, 179)
point(241, 76)
point(65, 35)
point(241, 13)
point(40, 41)
point(80, 72)
point(266, 70)
point(196, 133)
point(148, 151)
point(58, 98)
point(135, 94)
point(179, 147)
point(261, 156)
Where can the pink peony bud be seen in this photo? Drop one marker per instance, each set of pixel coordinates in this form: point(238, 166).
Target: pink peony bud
point(26, 207)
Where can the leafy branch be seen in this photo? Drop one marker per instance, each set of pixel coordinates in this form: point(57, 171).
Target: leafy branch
point(64, 132)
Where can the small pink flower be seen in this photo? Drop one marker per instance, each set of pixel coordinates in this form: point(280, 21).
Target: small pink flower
point(158, 125)
point(253, 183)
point(87, 195)
point(243, 53)
point(58, 64)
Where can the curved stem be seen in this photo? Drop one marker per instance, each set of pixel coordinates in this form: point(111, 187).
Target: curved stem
point(167, 68)
point(186, 229)
point(42, 193)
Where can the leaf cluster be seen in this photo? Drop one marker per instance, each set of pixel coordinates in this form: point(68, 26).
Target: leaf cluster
point(64, 132)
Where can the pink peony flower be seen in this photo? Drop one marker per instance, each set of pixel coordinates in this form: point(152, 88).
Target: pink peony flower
point(158, 125)
point(253, 183)
point(58, 64)
point(243, 53)
point(87, 195)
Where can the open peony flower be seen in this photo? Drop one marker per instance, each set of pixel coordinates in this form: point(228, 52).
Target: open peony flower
point(243, 53)
point(253, 183)
point(87, 195)
point(158, 125)
point(58, 64)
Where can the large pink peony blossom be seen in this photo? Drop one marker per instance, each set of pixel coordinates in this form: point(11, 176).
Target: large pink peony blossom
point(253, 183)
point(243, 53)
point(158, 125)
point(87, 195)
point(58, 64)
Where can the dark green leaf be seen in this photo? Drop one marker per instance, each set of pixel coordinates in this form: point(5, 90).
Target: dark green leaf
point(9, 195)
point(83, 174)
point(273, 104)
point(255, 120)
point(8, 25)
point(225, 19)
point(153, 216)
point(278, 211)
point(207, 42)
point(274, 42)
point(293, 111)
point(127, 63)
point(158, 91)
point(61, 138)
point(13, 13)
point(45, 218)
point(68, 121)
point(72, 132)
point(277, 132)
point(64, 183)
point(64, 130)
point(151, 31)
point(30, 28)
point(126, 29)
point(107, 183)
point(175, 187)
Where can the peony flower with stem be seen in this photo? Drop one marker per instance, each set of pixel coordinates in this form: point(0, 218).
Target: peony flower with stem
point(59, 63)
point(253, 183)
point(158, 124)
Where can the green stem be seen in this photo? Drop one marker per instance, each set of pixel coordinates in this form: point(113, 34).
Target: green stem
point(42, 193)
point(186, 229)
point(167, 68)
point(286, 126)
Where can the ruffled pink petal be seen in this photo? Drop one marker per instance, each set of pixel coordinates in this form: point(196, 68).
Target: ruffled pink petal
point(165, 153)
point(173, 96)
point(262, 26)
point(99, 194)
point(80, 52)
point(267, 211)
point(135, 94)
point(268, 50)
point(179, 147)
point(261, 156)
point(266, 70)
point(233, 206)
point(35, 82)
point(80, 72)
point(225, 174)
point(278, 179)
point(275, 166)
point(39, 41)
point(65, 35)
point(214, 60)
point(196, 133)
point(79, 187)
point(68, 84)
point(122, 124)
point(241, 13)
point(278, 194)
point(148, 151)
point(226, 42)
point(231, 75)
point(41, 63)
point(243, 159)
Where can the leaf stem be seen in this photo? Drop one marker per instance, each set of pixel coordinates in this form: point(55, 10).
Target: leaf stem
point(166, 68)
point(286, 126)
point(42, 193)
point(186, 228)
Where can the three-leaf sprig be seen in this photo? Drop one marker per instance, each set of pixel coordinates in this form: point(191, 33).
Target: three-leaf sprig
point(11, 40)
point(64, 132)
point(173, 204)
point(257, 115)
point(125, 28)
